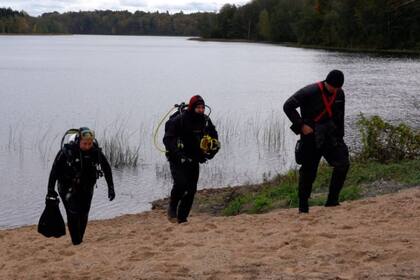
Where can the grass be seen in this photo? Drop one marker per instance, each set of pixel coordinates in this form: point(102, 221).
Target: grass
point(283, 193)
point(115, 142)
point(268, 133)
point(116, 146)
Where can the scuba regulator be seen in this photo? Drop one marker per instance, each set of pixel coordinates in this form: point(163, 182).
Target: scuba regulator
point(209, 144)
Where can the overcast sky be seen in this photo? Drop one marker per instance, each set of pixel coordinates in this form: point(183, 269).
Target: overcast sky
point(37, 7)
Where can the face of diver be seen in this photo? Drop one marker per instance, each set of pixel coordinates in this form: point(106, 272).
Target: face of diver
point(86, 144)
point(331, 89)
point(199, 109)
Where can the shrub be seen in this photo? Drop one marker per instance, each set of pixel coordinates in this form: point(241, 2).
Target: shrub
point(384, 142)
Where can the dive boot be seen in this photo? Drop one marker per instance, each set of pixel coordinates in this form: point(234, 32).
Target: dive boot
point(303, 206)
point(332, 200)
point(182, 221)
point(172, 217)
point(331, 203)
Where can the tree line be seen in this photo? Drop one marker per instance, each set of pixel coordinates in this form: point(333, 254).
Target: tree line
point(379, 24)
point(101, 22)
point(375, 24)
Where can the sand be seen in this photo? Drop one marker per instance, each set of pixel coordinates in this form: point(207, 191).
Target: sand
point(374, 238)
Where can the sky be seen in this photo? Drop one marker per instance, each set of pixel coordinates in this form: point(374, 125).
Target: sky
point(37, 7)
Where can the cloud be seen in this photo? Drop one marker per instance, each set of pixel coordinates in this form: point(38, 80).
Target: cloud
point(191, 6)
point(134, 3)
point(37, 7)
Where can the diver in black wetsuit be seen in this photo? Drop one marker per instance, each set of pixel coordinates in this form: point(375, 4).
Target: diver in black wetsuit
point(183, 138)
point(76, 167)
point(321, 128)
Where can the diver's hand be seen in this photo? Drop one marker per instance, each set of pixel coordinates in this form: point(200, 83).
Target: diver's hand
point(111, 193)
point(306, 129)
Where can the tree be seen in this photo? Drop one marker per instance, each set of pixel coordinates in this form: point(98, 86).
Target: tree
point(264, 30)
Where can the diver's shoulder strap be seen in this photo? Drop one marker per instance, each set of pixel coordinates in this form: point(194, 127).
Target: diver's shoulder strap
point(68, 152)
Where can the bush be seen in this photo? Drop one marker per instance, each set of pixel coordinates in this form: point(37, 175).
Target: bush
point(261, 204)
point(385, 142)
point(351, 193)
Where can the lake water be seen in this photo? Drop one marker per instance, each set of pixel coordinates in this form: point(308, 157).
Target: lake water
point(52, 83)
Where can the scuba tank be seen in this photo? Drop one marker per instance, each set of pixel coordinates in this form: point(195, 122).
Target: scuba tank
point(180, 109)
point(70, 137)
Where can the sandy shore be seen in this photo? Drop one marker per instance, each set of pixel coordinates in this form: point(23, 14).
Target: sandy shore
point(375, 238)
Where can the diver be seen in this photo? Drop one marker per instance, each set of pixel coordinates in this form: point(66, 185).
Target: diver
point(77, 166)
point(321, 128)
point(190, 139)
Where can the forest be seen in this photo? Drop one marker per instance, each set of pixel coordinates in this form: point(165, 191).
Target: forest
point(373, 24)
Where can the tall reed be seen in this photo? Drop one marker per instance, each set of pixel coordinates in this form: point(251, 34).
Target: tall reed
point(116, 146)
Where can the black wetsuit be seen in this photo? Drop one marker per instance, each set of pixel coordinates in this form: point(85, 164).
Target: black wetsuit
point(76, 173)
point(187, 128)
point(326, 141)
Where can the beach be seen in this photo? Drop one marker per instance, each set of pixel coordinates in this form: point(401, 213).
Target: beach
point(373, 238)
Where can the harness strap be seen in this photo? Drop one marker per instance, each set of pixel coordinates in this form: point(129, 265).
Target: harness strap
point(328, 102)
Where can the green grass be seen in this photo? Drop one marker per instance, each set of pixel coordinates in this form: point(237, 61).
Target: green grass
point(284, 193)
point(393, 153)
point(236, 205)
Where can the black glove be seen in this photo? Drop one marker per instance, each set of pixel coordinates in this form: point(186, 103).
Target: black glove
point(211, 154)
point(111, 193)
point(297, 127)
point(203, 159)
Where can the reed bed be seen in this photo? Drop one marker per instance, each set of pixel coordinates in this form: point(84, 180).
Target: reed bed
point(116, 146)
point(267, 133)
point(122, 146)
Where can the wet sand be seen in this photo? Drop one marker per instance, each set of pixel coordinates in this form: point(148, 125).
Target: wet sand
point(374, 238)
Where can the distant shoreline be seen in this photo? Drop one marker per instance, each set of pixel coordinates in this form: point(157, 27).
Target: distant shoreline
point(296, 45)
point(36, 34)
point(67, 34)
point(200, 39)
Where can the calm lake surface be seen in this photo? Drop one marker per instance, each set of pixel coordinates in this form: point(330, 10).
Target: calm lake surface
point(52, 83)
